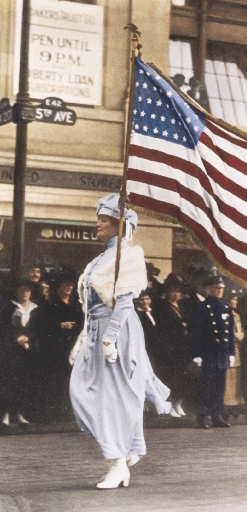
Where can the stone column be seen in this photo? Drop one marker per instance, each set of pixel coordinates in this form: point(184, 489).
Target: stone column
point(153, 20)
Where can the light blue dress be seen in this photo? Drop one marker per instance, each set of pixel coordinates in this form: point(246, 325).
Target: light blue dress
point(108, 398)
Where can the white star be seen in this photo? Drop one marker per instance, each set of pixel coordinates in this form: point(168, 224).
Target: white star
point(184, 139)
point(167, 106)
point(196, 128)
point(153, 116)
point(179, 124)
point(188, 119)
point(159, 103)
point(137, 126)
point(154, 88)
point(196, 116)
point(145, 128)
point(158, 77)
point(137, 83)
point(165, 133)
point(144, 85)
point(148, 73)
point(135, 111)
point(173, 121)
point(149, 100)
point(169, 94)
point(163, 118)
point(175, 136)
point(156, 130)
point(139, 98)
point(141, 71)
point(142, 114)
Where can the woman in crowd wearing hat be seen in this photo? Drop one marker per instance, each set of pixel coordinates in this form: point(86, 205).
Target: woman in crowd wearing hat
point(19, 346)
point(233, 392)
point(175, 346)
point(63, 320)
point(112, 372)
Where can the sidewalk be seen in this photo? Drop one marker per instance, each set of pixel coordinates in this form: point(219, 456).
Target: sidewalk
point(151, 420)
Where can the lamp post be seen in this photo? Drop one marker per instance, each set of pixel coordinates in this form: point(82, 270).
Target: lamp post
point(22, 114)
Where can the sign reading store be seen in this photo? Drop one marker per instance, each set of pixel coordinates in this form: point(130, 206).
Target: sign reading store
point(74, 234)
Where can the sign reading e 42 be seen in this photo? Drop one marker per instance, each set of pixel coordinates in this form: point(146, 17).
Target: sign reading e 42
point(54, 110)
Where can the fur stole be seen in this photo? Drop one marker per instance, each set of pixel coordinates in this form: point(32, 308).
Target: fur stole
point(132, 275)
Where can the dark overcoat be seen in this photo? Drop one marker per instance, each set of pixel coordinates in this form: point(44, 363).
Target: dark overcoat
point(212, 332)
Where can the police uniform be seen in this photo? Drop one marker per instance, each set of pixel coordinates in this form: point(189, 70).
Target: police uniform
point(212, 336)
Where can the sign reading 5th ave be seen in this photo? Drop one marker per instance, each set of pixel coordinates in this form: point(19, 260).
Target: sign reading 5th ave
point(65, 51)
point(54, 110)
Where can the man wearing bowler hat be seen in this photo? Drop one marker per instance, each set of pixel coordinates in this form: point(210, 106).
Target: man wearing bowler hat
point(211, 331)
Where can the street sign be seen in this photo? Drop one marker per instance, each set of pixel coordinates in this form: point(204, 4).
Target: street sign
point(54, 110)
point(6, 112)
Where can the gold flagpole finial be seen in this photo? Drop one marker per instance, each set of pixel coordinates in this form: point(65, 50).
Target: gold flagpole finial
point(136, 34)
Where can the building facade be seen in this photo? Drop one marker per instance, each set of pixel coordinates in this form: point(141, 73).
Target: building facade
point(70, 167)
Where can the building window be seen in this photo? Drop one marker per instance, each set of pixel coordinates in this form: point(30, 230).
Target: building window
point(181, 56)
point(226, 82)
point(225, 78)
point(92, 2)
point(181, 62)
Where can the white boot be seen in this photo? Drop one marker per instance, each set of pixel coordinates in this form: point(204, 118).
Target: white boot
point(132, 459)
point(179, 408)
point(174, 413)
point(5, 419)
point(21, 419)
point(118, 474)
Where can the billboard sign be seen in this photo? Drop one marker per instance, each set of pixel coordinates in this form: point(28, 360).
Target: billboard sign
point(65, 51)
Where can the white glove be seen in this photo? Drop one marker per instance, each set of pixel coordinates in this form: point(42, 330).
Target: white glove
point(198, 361)
point(232, 361)
point(110, 352)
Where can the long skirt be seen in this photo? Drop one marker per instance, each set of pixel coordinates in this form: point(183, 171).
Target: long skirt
point(108, 399)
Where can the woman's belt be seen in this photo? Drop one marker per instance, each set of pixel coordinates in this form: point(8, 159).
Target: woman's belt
point(99, 311)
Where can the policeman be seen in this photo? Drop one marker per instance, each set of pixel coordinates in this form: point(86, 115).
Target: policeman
point(211, 331)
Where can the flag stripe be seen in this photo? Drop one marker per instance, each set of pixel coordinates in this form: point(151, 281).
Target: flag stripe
point(187, 159)
point(227, 169)
point(173, 211)
point(230, 154)
point(148, 160)
point(227, 135)
point(196, 199)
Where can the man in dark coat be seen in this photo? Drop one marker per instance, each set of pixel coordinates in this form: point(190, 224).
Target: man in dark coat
point(211, 330)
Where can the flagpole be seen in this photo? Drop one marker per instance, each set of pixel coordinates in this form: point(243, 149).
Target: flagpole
point(135, 46)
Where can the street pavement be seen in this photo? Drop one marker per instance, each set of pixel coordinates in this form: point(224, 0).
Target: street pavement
point(186, 470)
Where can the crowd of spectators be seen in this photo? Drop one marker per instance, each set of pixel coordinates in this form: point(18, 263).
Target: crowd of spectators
point(165, 310)
point(40, 321)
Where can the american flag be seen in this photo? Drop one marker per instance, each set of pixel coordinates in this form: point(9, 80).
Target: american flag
point(187, 165)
